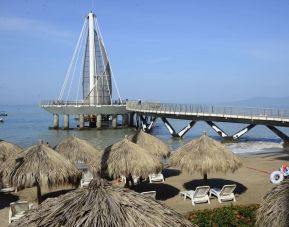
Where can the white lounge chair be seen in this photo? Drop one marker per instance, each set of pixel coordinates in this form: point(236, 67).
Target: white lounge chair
point(8, 188)
point(18, 210)
point(86, 178)
point(224, 194)
point(136, 179)
point(86, 174)
point(123, 179)
point(156, 177)
point(151, 194)
point(200, 195)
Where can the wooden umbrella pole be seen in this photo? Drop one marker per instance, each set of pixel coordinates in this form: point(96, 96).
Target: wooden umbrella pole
point(127, 182)
point(129, 179)
point(205, 177)
point(39, 199)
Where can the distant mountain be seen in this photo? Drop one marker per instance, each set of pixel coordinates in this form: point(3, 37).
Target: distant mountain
point(265, 102)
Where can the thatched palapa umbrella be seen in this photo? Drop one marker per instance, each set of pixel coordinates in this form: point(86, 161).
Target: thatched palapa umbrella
point(7, 167)
point(100, 205)
point(273, 209)
point(126, 158)
point(75, 149)
point(8, 150)
point(205, 155)
point(152, 144)
point(40, 165)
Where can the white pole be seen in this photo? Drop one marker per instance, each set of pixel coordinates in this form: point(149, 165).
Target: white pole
point(92, 63)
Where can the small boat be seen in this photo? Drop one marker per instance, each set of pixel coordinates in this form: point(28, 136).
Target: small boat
point(3, 114)
point(1, 120)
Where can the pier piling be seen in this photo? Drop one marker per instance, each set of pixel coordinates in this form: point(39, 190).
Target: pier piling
point(66, 122)
point(98, 121)
point(131, 119)
point(125, 120)
point(81, 121)
point(55, 121)
point(114, 121)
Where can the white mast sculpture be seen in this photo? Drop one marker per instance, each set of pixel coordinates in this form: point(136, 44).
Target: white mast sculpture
point(97, 88)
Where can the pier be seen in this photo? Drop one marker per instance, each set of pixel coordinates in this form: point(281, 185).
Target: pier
point(97, 109)
point(144, 115)
point(148, 112)
point(94, 115)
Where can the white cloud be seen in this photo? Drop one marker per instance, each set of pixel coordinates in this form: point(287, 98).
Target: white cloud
point(18, 24)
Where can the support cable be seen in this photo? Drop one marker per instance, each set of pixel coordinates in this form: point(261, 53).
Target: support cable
point(100, 42)
point(96, 78)
point(81, 75)
point(112, 75)
point(70, 65)
point(76, 61)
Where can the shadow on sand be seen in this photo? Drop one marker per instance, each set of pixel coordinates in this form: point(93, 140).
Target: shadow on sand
point(164, 191)
point(285, 159)
point(6, 199)
point(282, 155)
point(215, 183)
point(171, 173)
point(55, 194)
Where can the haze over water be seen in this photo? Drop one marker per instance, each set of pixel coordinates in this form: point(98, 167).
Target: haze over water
point(26, 125)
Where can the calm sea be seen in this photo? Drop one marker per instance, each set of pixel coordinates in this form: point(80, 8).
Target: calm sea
point(26, 125)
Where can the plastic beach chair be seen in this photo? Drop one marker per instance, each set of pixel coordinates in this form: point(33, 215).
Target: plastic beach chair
point(136, 179)
point(86, 178)
point(200, 195)
point(156, 177)
point(151, 194)
point(18, 210)
point(224, 194)
point(8, 188)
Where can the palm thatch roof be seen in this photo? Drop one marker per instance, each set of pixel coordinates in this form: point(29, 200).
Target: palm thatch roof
point(7, 167)
point(102, 205)
point(273, 209)
point(8, 150)
point(75, 149)
point(205, 155)
point(40, 164)
point(127, 158)
point(152, 144)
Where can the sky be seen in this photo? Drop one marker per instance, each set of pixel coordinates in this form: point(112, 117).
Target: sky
point(174, 51)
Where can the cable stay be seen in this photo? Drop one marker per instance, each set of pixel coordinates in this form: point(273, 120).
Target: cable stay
point(71, 62)
point(95, 73)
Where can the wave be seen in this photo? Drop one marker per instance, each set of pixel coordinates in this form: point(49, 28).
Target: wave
point(254, 147)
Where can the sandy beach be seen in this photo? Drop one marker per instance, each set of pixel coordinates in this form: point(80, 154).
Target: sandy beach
point(252, 181)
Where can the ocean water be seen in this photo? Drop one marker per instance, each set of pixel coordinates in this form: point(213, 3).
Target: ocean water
point(26, 125)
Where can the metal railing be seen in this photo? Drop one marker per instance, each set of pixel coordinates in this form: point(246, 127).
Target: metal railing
point(207, 110)
point(56, 103)
point(186, 109)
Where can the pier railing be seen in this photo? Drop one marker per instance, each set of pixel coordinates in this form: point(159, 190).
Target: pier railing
point(207, 110)
point(76, 103)
point(187, 109)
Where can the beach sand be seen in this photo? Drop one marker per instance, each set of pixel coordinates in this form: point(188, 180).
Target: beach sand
point(252, 181)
